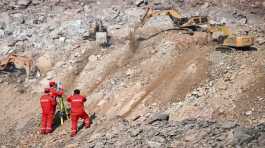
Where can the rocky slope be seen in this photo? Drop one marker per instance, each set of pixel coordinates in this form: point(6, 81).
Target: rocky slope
point(171, 72)
point(156, 132)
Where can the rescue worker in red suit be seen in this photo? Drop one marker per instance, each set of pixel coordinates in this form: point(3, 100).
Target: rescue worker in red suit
point(77, 111)
point(47, 103)
point(54, 93)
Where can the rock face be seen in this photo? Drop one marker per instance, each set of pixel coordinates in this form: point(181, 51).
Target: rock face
point(177, 75)
point(45, 63)
point(187, 133)
point(159, 117)
point(23, 4)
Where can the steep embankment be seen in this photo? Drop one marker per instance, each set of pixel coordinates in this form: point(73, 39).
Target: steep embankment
point(145, 77)
point(173, 72)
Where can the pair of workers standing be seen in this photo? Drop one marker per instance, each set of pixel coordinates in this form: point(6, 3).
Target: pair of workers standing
point(48, 104)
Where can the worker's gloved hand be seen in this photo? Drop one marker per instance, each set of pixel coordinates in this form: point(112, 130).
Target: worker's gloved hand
point(60, 93)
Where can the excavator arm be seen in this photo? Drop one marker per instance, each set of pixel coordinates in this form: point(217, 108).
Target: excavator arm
point(192, 22)
point(172, 13)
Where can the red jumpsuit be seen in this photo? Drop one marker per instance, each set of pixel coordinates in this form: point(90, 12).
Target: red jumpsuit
point(78, 111)
point(47, 103)
point(54, 93)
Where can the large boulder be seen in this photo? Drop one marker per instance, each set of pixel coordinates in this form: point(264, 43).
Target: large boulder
point(23, 4)
point(45, 63)
point(158, 117)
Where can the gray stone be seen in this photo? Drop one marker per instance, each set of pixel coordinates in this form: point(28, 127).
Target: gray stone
point(36, 2)
point(228, 125)
point(260, 40)
point(134, 13)
point(23, 4)
point(19, 17)
point(205, 5)
point(248, 113)
point(197, 93)
point(92, 58)
point(261, 139)
point(243, 21)
point(87, 8)
point(2, 25)
point(151, 132)
point(154, 144)
point(128, 73)
point(241, 136)
point(39, 20)
point(158, 117)
point(71, 29)
point(159, 139)
point(62, 39)
point(135, 132)
point(139, 2)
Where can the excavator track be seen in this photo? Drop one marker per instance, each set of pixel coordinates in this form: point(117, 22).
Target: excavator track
point(225, 49)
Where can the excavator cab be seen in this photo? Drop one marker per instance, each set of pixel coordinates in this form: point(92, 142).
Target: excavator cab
point(239, 41)
point(194, 22)
point(227, 39)
point(98, 32)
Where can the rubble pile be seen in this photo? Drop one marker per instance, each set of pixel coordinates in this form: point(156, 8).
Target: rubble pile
point(159, 132)
point(204, 97)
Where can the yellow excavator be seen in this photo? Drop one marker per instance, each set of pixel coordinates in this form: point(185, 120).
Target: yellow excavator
point(186, 24)
point(98, 32)
point(229, 40)
point(226, 38)
point(18, 61)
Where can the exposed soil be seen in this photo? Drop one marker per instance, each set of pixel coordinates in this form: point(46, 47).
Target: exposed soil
point(208, 96)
